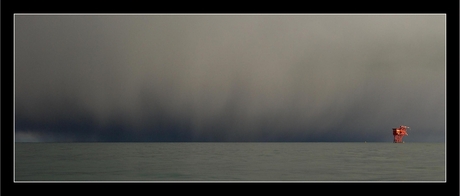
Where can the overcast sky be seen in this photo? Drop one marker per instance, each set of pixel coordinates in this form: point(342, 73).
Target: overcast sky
point(229, 77)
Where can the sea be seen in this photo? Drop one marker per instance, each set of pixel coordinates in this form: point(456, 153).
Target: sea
point(230, 162)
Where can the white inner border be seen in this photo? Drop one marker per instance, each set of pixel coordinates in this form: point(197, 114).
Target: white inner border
point(128, 14)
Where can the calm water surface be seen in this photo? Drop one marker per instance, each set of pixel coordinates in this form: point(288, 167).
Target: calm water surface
point(229, 162)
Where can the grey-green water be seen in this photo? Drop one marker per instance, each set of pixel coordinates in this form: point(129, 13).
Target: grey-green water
point(229, 162)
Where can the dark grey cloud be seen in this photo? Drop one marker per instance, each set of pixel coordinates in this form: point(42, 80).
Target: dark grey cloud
point(229, 77)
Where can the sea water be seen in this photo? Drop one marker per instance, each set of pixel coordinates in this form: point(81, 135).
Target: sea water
point(222, 162)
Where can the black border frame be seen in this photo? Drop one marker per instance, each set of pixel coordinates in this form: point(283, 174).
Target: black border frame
point(451, 9)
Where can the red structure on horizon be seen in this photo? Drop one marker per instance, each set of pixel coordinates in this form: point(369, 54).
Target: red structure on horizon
point(399, 133)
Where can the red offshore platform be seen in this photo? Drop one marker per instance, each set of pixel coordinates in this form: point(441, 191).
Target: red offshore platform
point(399, 133)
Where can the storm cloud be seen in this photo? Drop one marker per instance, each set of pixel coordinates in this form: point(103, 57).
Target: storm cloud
point(229, 77)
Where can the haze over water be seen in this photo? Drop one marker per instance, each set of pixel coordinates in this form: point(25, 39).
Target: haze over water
point(229, 78)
